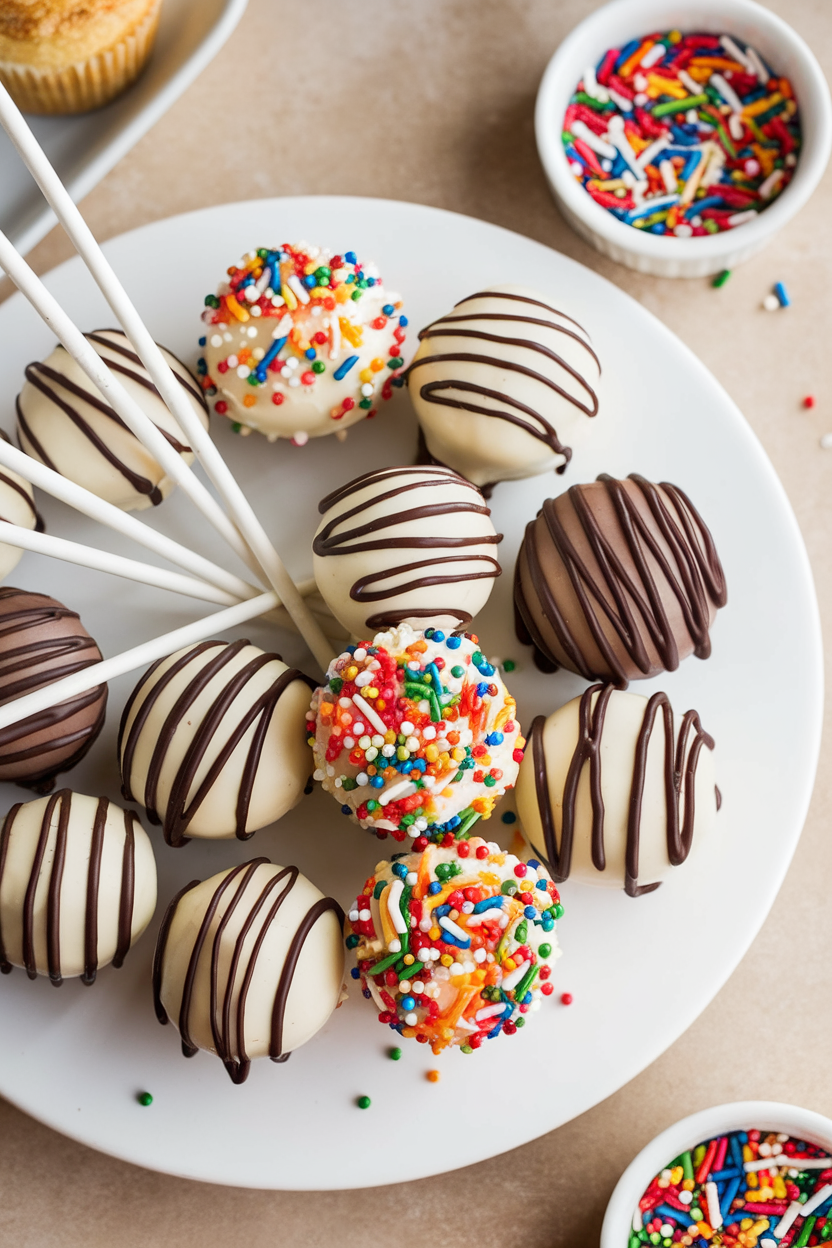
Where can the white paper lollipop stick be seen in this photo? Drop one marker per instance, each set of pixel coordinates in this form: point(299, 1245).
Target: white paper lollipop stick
point(87, 358)
point(96, 508)
point(212, 461)
point(117, 565)
point(139, 656)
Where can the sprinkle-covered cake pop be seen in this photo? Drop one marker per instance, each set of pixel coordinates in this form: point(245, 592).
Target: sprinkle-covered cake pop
point(411, 544)
point(614, 792)
point(300, 342)
point(77, 885)
point(17, 506)
point(504, 385)
point(415, 734)
point(455, 945)
point(65, 422)
point(249, 964)
point(42, 641)
point(617, 581)
point(212, 743)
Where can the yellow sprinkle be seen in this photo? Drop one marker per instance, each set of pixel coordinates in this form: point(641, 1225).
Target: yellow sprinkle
point(389, 737)
point(675, 36)
point(371, 692)
point(762, 106)
point(408, 959)
point(458, 754)
point(310, 268)
point(366, 375)
point(290, 298)
point(351, 672)
point(446, 959)
point(435, 933)
point(431, 753)
point(509, 965)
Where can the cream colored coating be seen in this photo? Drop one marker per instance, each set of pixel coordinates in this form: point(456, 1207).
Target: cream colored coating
point(14, 510)
point(17, 871)
point(446, 605)
point(318, 978)
point(485, 448)
point(622, 724)
point(305, 411)
point(284, 763)
point(70, 450)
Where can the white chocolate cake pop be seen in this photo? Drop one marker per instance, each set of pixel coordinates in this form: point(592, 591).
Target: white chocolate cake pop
point(613, 792)
point(17, 506)
point(64, 422)
point(211, 741)
point(405, 544)
point(77, 885)
point(504, 385)
point(249, 964)
point(455, 944)
point(300, 342)
point(415, 734)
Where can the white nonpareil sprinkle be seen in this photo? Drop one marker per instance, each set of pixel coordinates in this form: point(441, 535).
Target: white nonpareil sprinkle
point(826, 442)
point(771, 303)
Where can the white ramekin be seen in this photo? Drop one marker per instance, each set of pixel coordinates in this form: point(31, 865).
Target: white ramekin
point(801, 1124)
point(617, 23)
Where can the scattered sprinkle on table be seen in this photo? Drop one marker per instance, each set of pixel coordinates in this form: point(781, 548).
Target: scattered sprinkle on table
point(683, 134)
point(394, 1054)
point(826, 442)
point(740, 1190)
point(566, 998)
point(809, 401)
point(771, 303)
point(363, 1102)
point(721, 278)
point(144, 1098)
point(433, 1076)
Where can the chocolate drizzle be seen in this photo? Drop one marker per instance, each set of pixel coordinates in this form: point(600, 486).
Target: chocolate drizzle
point(334, 540)
point(681, 757)
point(41, 641)
point(618, 580)
point(20, 489)
point(228, 999)
point(113, 347)
point(179, 812)
point(449, 391)
point(59, 807)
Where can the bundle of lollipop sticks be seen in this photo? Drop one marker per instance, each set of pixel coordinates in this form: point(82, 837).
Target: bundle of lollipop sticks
point(233, 517)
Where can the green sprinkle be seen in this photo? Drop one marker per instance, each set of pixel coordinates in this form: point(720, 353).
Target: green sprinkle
point(395, 362)
point(805, 1233)
point(394, 1054)
point(489, 782)
point(680, 106)
point(466, 1048)
point(348, 784)
point(372, 804)
point(687, 1165)
point(363, 1102)
point(236, 426)
point(144, 1098)
point(211, 301)
point(365, 404)
point(721, 278)
point(508, 888)
point(520, 1022)
point(711, 226)
point(522, 932)
point(351, 941)
point(544, 950)
point(356, 294)
point(458, 671)
point(319, 367)
point(509, 665)
point(379, 888)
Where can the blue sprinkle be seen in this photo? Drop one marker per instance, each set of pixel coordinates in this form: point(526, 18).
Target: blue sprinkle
point(488, 903)
point(675, 1215)
point(429, 633)
point(351, 649)
point(494, 738)
point(260, 374)
point(202, 342)
point(782, 295)
point(356, 974)
point(527, 999)
point(407, 1003)
point(400, 870)
point(541, 884)
point(276, 346)
point(310, 281)
point(365, 992)
point(342, 369)
point(371, 281)
point(438, 635)
point(403, 321)
point(311, 354)
point(532, 862)
point(453, 643)
point(377, 782)
point(482, 688)
point(345, 810)
point(388, 309)
point(509, 817)
point(530, 912)
point(434, 888)
point(485, 669)
point(350, 257)
point(441, 911)
point(548, 924)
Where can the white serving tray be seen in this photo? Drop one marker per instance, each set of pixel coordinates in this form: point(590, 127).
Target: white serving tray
point(84, 148)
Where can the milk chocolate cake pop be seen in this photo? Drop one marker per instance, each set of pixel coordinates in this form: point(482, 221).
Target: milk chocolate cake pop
point(249, 964)
point(300, 342)
point(613, 791)
point(415, 734)
point(17, 506)
point(64, 422)
point(212, 741)
point(42, 641)
point(504, 385)
point(618, 580)
point(405, 544)
point(77, 885)
point(455, 945)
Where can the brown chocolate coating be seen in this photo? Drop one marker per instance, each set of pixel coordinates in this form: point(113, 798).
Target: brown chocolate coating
point(41, 641)
point(617, 581)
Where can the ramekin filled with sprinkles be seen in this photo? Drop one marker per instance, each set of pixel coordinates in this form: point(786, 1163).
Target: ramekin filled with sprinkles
point(751, 1175)
point(679, 138)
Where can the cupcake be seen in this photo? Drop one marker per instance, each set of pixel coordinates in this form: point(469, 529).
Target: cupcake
point(59, 56)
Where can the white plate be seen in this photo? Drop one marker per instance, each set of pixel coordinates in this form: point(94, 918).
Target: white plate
point(640, 970)
point(84, 148)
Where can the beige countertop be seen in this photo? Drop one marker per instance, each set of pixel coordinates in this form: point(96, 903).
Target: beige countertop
point(432, 101)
